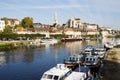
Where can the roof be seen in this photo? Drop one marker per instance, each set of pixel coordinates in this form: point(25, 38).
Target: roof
point(76, 76)
point(59, 70)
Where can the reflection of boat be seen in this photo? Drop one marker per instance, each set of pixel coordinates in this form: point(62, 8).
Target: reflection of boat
point(74, 60)
point(49, 40)
point(56, 73)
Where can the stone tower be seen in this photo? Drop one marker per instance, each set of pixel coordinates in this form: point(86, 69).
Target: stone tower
point(55, 19)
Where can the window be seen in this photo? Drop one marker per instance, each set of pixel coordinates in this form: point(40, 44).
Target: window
point(56, 77)
point(49, 76)
point(45, 75)
point(90, 59)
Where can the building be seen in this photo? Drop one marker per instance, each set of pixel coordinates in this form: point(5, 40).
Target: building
point(2, 25)
point(12, 21)
point(106, 31)
point(74, 23)
point(55, 20)
point(92, 27)
point(37, 25)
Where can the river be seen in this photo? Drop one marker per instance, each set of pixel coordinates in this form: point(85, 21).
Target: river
point(30, 63)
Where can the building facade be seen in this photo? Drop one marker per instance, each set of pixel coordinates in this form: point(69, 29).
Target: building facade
point(2, 25)
point(74, 23)
point(12, 21)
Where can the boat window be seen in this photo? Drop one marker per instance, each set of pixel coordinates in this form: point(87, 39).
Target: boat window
point(56, 77)
point(45, 75)
point(87, 59)
point(76, 59)
point(70, 58)
point(93, 59)
point(90, 59)
point(49, 76)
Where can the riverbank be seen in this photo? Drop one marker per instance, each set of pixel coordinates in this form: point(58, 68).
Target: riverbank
point(111, 68)
point(113, 55)
point(6, 45)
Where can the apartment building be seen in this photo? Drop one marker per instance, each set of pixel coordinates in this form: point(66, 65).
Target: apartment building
point(2, 25)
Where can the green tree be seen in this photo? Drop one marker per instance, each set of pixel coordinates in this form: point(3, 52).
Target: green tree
point(18, 26)
point(6, 20)
point(7, 30)
point(27, 22)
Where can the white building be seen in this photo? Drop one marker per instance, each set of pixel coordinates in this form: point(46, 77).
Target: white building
point(92, 26)
point(12, 21)
point(2, 25)
point(74, 23)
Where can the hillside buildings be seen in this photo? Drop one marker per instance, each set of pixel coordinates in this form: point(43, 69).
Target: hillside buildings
point(2, 25)
point(73, 27)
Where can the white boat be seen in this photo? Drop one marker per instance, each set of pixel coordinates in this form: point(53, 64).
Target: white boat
point(76, 76)
point(92, 61)
point(56, 73)
point(109, 45)
point(48, 40)
point(100, 51)
point(89, 50)
point(74, 60)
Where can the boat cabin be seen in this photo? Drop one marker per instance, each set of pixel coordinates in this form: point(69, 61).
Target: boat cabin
point(56, 73)
point(74, 60)
point(92, 60)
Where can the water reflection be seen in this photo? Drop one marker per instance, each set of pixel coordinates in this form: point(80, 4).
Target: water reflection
point(28, 56)
point(2, 59)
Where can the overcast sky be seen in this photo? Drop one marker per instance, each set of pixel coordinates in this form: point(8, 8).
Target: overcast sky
point(101, 12)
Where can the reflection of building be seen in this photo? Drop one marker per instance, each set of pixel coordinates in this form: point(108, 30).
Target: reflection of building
point(56, 52)
point(2, 58)
point(2, 25)
point(74, 47)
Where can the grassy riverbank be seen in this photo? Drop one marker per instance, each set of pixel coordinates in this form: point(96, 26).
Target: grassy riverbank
point(111, 68)
point(6, 45)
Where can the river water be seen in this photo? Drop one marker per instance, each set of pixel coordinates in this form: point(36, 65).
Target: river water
point(31, 63)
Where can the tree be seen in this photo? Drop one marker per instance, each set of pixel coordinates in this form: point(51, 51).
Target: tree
point(6, 20)
point(27, 22)
point(18, 26)
point(7, 30)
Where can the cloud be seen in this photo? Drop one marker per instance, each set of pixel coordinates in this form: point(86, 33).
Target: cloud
point(53, 7)
point(14, 6)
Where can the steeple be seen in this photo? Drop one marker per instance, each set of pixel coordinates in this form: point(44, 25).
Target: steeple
point(55, 19)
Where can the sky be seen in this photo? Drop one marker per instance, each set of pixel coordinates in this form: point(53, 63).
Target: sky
point(101, 12)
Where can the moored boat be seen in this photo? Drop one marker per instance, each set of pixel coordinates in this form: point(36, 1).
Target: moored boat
point(59, 72)
point(100, 51)
point(74, 60)
point(76, 76)
point(71, 39)
point(92, 61)
point(88, 50)
point(48, 40)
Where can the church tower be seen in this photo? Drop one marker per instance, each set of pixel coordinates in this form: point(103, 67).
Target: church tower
point(55, 19)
